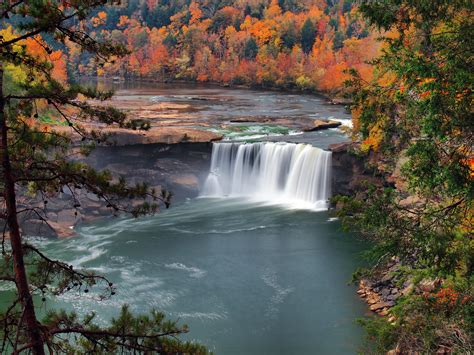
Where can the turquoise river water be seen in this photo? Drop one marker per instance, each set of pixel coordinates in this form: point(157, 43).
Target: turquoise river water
point(247, 278)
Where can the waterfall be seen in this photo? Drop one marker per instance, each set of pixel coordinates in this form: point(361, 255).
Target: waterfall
point(297, 175)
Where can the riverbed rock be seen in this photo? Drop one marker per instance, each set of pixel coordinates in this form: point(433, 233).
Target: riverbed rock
point(243, 120)
point(62, 231)
point(321, 124)
point(69, 216)
point(341, 101)
point(166, 135)
point(92, 196)
point(186, 180)
point(38, 228)
point(52, 216)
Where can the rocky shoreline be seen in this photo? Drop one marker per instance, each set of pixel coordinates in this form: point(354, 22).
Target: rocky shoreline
point(351, 176)
point(382, 292)
point(180, 168)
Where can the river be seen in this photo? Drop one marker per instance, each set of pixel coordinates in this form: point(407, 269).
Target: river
point(249, 276)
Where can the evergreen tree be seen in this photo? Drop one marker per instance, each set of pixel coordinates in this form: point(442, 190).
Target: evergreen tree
point(415, 122)
point(308, 36)
point(338, 41)
point(289, 37)
point(37, 159)
point(250, 49)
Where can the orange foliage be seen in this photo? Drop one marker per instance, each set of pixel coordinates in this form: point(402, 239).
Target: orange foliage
point(232, 44)
point(273, 10)
point(37, 48)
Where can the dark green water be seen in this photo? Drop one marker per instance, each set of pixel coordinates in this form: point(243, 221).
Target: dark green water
point(246, 278)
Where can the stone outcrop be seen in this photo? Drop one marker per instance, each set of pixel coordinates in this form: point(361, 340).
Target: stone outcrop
point(349, 171)
point(381, 293)
point(178, 168)
point(155, 135)
point(161, 135)
point(318, 125)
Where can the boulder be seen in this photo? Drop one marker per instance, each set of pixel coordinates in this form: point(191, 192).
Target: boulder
point(62, 230)
point(385, 292)
point(321, 124)
point(392, 297)
point(93, 197)
point(381, 305)
point(52, 216)
point(67, 217)
point(386, 278)
point(38, 228)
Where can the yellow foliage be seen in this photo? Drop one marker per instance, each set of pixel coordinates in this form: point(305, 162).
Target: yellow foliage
point(303, 82)
point(374, 139)
point(356, 111)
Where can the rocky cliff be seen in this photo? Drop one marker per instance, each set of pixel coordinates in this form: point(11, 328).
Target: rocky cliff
point(179, 168)
point(350, 173)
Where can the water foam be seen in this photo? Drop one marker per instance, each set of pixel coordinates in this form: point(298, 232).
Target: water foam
point(270, 279)
point(193, 271)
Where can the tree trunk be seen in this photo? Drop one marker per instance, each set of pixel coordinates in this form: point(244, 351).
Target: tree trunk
point(32, 326)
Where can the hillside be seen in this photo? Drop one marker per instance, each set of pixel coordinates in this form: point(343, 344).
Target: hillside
point(285, 44)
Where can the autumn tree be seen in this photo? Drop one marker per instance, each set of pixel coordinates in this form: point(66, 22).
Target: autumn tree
point(38, 158)
point(228, 29)
point(415, 124)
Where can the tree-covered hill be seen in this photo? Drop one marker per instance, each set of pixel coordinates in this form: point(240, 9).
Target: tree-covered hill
point(287, 44)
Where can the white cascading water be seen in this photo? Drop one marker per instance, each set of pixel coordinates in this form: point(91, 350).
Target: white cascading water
point(297, 175)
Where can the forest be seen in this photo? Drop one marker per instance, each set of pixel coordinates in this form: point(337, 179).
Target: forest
point(399, 179)
point(307, 45)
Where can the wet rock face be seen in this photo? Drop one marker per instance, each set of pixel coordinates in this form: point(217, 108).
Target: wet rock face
point(178, 168)
point(349, 173)
point(347, 170)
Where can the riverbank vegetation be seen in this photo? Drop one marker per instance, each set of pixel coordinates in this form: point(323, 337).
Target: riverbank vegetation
point(415, 124)
point(37, 163)
point(306, 45)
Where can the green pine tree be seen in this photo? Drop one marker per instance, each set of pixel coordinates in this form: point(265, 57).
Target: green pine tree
point(250, 49)
point(36, 160)
point(308, 36)
point(415, 122)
